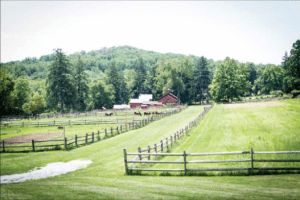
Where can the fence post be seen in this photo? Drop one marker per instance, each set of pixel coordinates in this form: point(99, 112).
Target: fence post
point(69, 122)
point(66, 143)
point(133, 125)
point(251, 158)
point(76, 140)
point(171, 140)
point(98, 134)
point(125, 161)
point(149, 152)
point(105, 133)
point(33, 145)
point(184, 155)
point(23, 124)
point(54, 123)
point(93, 136)
point(161, 146)
point(174, 137)
point(86, 138)
point(167, 146)
point(111, 131)
point(140, 151)
point(3, 146)
point(121, 127)
point(155, 148)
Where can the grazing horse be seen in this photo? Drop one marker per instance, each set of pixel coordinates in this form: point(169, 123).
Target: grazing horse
point(108, 114)
point(158, 113)
point(147, 113)
point(137, 113)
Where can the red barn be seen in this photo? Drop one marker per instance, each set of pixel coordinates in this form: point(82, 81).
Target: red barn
point(168, 98)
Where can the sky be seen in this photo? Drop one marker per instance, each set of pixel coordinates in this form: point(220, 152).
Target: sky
point(251, 31)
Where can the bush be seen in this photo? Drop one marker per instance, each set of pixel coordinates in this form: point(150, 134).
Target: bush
point(277, 93)
point(295, 93)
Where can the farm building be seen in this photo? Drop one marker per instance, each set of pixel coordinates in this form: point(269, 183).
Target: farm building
point(168, 98)
point(144, 101)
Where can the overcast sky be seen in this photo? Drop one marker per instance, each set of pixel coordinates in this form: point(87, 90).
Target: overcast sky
point(258, 32)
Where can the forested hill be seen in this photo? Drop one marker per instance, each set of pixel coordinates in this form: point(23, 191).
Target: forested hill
point(101, 78)
point(95, 61)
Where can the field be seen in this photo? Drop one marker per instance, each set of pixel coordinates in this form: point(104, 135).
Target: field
point(223, 129)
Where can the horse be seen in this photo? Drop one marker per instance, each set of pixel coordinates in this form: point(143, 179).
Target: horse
point(137, 113)
point(147, 113)
point(108, 114)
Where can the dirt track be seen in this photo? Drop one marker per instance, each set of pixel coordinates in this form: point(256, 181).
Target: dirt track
point(39, 136)
point(252, 105)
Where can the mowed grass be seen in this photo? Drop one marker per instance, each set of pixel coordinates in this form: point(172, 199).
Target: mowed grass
point(105, 179)
point(239, 129)
point(70, 131)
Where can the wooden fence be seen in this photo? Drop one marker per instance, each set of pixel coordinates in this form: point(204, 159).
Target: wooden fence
point(163, 145)
point(184, 161)
point(74, 114)
point(107, 120)
point(76, 141)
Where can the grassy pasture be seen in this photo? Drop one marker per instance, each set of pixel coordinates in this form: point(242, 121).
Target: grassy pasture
point(105, 179)
point(239, 129)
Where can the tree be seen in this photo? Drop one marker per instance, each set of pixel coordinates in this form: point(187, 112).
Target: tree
point(81, 85)
point(60, 88)
point(21, 92)
point(102, 95)
point(139, 79)
point(113, 78)
point(292, 80)
point(270, 78)
point(35, 104)
point(201, 79)
point(230, 81)
point(6, 89)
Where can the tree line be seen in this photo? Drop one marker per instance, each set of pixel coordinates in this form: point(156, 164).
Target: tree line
point(85, 81)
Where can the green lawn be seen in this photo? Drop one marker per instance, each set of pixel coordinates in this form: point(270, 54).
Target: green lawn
point(105, 179)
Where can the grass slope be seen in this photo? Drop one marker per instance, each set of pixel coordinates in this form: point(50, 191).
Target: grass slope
point(104, 179)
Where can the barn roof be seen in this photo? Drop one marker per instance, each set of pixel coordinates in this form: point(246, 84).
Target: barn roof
point(169, 94)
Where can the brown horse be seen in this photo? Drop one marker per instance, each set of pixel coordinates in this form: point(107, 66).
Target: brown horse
point(108, 114)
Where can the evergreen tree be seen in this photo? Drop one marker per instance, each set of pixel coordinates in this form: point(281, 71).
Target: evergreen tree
point(81, 84)
point(102, 95)
point(60, 88)
point(113, 78)
point(139, 79)
point(201, 79)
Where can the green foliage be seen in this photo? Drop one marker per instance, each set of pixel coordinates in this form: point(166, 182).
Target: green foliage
point(230, 80)
point(295, 93)
point(292, 65)
point(21, 92)
point(80, 78)
point(35, 104)
point(59, 82)
point(102, 95)
point(6, 88)
point(201, 80)
point(270, 78)
point(139, 79)
point(277, 93)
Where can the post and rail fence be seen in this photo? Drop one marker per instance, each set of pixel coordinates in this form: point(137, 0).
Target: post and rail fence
point(184, 161)
point(163, 145)
point(76, 141)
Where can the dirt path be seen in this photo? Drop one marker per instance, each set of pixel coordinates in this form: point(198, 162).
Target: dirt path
point(39, 136)
point(251, 105)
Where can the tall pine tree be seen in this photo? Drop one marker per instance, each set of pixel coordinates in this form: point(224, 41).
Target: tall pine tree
point(60, 88)
point(139, 79)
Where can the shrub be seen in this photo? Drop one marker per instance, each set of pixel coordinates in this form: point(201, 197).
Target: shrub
point(277, 93)
point(295, 93)
point(57, 147)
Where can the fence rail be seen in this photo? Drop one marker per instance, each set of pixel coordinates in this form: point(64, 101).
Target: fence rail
point(185, 162)
point(163, 145)
point(108, 120)
point(75, 114)
point(87, 138)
